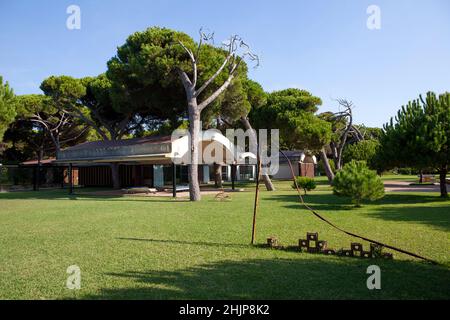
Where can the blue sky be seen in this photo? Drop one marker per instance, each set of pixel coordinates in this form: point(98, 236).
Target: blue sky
point(321, 46)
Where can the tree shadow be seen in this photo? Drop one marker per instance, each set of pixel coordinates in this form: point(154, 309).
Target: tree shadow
point(195, 243)
point(406, 207)
point(85, 196)
point(334, 203)
point(313, 278)
point(435, 216)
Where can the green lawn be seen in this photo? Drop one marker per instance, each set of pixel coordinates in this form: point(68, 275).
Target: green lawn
point(159, 248)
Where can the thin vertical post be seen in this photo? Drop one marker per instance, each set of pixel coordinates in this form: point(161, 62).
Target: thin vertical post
point(233, 175)
point(255, 208)
point(70, 179)
point(174, 180)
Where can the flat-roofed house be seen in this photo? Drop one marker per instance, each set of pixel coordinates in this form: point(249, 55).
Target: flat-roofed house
point(153, 161)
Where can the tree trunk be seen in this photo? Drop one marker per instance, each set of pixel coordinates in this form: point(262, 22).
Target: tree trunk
point(443, 181)
point(217, 175)
point(327, 166)
point(334, 153)
point(194, 131)
point(267, 182)
point(115, 176)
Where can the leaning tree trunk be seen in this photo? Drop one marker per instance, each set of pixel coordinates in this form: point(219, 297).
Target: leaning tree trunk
point(267, 182)
point(326, 165)
point(443, 181)
point(194, 131)
point(217, 175)
point(115, 176)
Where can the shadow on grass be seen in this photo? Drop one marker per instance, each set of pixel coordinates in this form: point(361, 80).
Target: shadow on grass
point(435, 216)
point(313, 278)
point(83, 195)
point(332, 202)
point(195, 243)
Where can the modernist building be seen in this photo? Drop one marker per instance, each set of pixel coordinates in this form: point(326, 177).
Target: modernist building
point(153, 161)
point(157, 162)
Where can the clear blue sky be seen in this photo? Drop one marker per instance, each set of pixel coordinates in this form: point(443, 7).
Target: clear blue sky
point(321, 46)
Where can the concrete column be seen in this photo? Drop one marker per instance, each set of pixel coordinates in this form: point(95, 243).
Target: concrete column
point(158, 175)
point(237, 173)
point(254, 172)
point(228, 173)
point(205, 173)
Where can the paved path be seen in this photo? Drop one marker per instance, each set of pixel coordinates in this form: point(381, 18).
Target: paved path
point(404, 186)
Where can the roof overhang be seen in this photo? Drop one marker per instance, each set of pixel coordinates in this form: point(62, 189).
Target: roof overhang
point(155, 152)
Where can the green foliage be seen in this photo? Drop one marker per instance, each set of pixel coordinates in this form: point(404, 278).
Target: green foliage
point(303, 130)
point(145, 72)
point(231, 105)
point(7, 107)
point(321, 166)
point(337, 125)
point(292, 111)
point(357, 181)
point(64, 90)
point(364, 150)
point(370, 133)
point(419, 137)
point(107, 110)
point(256, 95)
point(306, 183)
point(290, 100)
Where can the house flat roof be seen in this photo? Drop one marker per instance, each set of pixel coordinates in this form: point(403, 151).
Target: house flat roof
point(117, 150)
point(120, 143)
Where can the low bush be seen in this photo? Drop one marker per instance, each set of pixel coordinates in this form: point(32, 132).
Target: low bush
point(306, 183)
point(358, 182)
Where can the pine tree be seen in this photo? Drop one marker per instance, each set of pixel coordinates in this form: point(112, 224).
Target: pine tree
point(7, 107)
point(420, 137)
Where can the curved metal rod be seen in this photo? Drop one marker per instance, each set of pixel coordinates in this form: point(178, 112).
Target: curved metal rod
point(342, 230)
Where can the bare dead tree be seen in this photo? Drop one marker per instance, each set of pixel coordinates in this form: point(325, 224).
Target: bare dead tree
point(345, 116)
point(237, 50)
point(59, 128)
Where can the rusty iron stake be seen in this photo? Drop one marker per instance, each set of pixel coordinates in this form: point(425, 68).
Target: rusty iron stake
point(255, 207)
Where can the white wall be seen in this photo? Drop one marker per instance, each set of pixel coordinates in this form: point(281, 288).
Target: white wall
point(284, 171)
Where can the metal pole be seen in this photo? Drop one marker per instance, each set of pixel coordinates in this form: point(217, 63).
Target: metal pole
point(255, 208)
point(233, 175)
point(174, 180)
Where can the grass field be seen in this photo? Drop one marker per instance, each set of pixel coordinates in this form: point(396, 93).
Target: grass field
point(160, 248)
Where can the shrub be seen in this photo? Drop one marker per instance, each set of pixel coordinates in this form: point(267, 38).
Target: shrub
point(364, 150)
point(358, 182)
point(306, 183)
